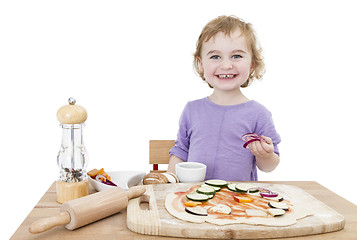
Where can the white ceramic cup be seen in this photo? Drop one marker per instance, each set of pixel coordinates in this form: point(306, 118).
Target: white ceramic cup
point(190, 171)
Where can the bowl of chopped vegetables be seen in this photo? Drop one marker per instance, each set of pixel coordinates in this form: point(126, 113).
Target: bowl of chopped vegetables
point(101, 180)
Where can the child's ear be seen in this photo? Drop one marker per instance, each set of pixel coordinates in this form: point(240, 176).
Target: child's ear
point(200, 67)
point(252, 68)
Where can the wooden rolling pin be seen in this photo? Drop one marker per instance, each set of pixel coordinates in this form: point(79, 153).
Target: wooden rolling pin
point(82, 211)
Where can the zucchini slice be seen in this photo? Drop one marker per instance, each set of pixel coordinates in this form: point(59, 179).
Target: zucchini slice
point(206, 190)
point(197, 197)
point(216, 182)
point(232, 187)
point(278, 198)
point(220, 208)
point(279, 205)
point(214, 187)
point(200, 211)
point(210, 196)
point(275, 212)
point(243, 187)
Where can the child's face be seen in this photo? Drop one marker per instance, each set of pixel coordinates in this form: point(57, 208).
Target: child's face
point(226, 61)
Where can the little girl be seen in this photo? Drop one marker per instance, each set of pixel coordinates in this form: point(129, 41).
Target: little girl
point(210, 131)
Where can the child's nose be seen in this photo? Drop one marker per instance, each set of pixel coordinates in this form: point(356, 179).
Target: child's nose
point(227, 64)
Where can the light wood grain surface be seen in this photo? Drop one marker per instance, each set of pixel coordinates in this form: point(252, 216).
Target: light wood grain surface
point(115, 227)
point(155, 220)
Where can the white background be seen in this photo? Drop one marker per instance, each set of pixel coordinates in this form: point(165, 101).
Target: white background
point(129, 63)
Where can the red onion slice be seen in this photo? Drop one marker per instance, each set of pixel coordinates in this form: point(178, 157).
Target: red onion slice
point(99, 176)
point(105, 181)
point(250, 141)
point(268, 194)
point(264, 192)
point(248, 136)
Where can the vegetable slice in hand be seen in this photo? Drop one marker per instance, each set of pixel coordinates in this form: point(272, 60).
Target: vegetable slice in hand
point(251, 137)
point(246, 137)
point(249, 142)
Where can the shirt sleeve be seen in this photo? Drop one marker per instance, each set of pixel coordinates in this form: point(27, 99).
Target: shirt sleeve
point(265, 126)
point(182, 142)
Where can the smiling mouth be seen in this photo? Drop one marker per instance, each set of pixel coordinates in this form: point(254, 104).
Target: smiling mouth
point(226, 76)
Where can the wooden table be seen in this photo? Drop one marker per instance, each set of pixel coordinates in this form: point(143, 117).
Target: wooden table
point(114, 227)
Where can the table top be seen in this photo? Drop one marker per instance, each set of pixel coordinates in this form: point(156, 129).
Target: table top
point(114, 227)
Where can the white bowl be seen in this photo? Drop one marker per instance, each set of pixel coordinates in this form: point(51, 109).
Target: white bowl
point(123, 179)
point(190, 171)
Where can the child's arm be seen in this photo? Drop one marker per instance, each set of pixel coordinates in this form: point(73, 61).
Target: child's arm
point(173, 161)
point(267, 159)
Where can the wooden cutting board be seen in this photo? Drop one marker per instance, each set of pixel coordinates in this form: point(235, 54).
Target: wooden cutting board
point(147, 215)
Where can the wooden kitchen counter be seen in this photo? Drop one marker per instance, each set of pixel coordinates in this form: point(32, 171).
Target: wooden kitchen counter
point(114, 227)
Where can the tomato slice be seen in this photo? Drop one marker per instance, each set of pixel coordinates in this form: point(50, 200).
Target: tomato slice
point(243, 199)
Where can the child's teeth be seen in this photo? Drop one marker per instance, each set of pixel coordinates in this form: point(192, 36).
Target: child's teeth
point(225, 76)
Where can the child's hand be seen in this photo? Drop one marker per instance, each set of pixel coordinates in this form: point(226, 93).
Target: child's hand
point(263, 148)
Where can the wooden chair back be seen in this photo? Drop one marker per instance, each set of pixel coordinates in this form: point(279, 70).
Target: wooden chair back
point(159, 153)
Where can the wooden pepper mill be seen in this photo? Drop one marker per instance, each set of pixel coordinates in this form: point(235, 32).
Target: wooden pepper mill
point(72, 157)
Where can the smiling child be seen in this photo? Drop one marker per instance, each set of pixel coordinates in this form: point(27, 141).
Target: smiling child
point(228, 58)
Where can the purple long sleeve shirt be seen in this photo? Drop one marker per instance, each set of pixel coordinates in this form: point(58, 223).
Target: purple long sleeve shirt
point(211, 134)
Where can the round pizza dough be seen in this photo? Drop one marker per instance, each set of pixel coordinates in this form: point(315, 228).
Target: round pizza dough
point(174, 205)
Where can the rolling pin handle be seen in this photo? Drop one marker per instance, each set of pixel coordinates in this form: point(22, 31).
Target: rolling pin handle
point(45, 224)
point(136, 191)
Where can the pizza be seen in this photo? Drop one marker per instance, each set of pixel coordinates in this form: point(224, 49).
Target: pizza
point(221, 203)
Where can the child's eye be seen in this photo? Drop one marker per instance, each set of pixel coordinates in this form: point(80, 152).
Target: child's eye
point(236, 56)
point(214, 57)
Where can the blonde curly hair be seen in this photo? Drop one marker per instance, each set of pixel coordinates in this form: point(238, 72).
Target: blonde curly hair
point(227, 25)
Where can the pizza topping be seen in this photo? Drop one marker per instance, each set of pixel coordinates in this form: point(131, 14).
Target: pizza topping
point(210, 196)
point(268, 194)
point(232, 187)
point(216, 182)
point(243, 199)
point(200, 211)
point(277, 198)
point(249, 142)
point(251, 137)
point(192, 204)
point(279, 205)
point(220, 208)
point(214, 187)
point(276, 212)
point(197, 197)
point(246, 187)
point(256, 213)
point(206, 190)
point(248, 136)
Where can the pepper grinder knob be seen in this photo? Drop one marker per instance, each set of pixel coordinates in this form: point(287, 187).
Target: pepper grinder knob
point(72, 114)
point(71, 101)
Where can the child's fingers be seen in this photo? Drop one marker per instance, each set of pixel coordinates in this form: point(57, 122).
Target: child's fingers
point(267, 139)
point(267, 144)
point(259, 148)
point(256, 148)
